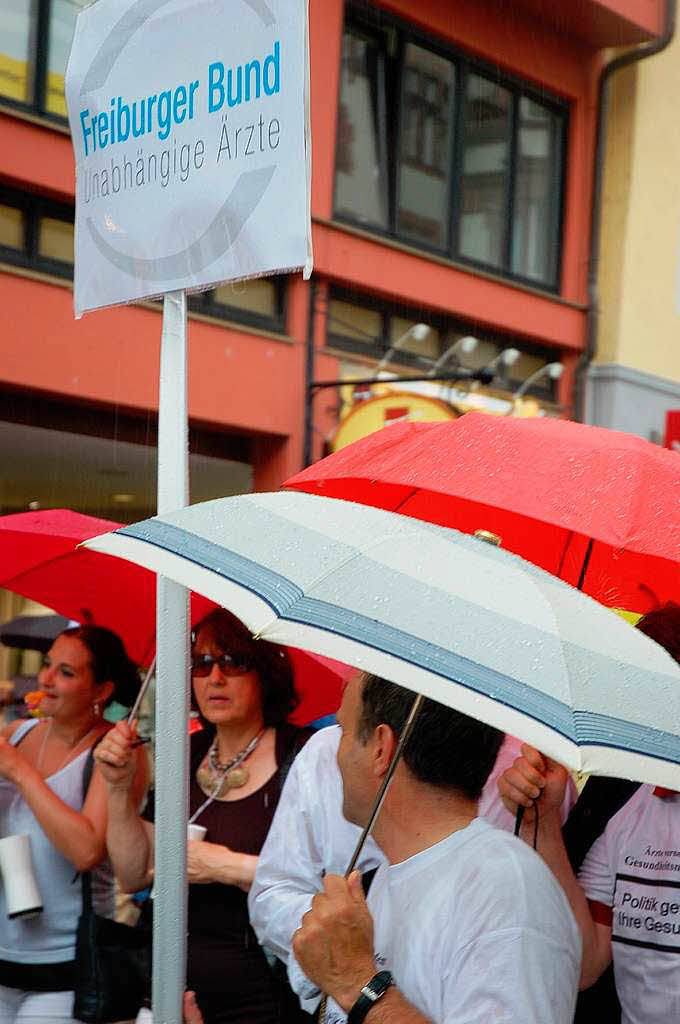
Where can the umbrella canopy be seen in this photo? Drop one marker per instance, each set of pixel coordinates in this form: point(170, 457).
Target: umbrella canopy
point(446, 615)
point(32, 632)
point(40, 559)
point(546, 487)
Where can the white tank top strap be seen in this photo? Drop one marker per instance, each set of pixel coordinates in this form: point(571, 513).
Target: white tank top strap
point(22, 729)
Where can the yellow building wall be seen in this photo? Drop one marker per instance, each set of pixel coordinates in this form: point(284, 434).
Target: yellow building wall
point(640, 245)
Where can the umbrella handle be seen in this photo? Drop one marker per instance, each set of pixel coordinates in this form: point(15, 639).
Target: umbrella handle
point(518, 818)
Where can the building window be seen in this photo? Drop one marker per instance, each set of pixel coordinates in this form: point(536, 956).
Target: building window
point(36, 233)
point(17, 44)
point(485, 171)
point(35, 41)
point(443, 153)
point(12, 227)
point(360, 179)
point(536, 219)
point(424, 175)
point(258, 303)
point(364, 325)
point(55, 239)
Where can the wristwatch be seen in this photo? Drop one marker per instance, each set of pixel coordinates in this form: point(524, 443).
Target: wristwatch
point(370, 994)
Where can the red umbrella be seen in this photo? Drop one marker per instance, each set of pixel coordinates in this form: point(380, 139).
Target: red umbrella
point(596, 507)
point(40, 559)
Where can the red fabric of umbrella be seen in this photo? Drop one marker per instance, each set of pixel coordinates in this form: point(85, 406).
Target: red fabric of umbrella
point(40, 559)
point(595, 507)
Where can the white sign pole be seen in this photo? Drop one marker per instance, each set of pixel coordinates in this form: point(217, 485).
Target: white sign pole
point(172, 702)
point(192, 150)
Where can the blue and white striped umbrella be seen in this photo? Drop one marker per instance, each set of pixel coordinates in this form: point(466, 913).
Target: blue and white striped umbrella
point(442, 613)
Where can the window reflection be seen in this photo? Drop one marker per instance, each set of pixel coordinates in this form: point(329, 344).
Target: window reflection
point(425, 165)
point(18, 21)
point(360, 179)
point(536, 213)
point(63, 14)
point(484, 180)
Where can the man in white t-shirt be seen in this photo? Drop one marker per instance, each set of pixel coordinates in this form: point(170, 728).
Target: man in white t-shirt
point(309, 838)
point(627, 894)
point(631, 878)
point(462, 923)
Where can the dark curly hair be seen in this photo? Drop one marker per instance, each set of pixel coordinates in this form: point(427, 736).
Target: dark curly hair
point(446, 749)
point(110, 662)
point(270, 661)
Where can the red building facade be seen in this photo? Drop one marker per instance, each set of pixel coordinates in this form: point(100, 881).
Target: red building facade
point(453, 150)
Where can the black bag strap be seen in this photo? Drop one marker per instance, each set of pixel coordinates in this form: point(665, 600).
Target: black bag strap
point(600, 799)
point(85, 880)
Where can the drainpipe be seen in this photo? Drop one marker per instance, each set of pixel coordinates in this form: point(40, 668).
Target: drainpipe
point(623, 60)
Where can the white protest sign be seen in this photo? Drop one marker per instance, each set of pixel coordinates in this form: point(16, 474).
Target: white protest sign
point(189, 127)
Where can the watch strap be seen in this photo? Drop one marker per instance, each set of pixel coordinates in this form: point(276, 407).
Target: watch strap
point(372, 991)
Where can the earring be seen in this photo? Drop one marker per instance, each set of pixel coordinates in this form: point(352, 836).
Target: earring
point(96, 708)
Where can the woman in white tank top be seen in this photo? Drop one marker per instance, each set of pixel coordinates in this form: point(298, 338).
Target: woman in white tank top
point(41, 795)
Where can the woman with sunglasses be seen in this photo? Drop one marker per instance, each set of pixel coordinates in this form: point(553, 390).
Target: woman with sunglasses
point(244, 692)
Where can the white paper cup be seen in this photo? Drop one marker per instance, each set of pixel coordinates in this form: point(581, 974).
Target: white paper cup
point(196, 831)
point(22, 895)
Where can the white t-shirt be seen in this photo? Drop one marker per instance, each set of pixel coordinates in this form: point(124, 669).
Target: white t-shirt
point(476, 930)
point(634, 868)
point(309, 838)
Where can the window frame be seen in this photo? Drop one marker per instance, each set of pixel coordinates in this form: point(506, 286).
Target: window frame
point(39, 38)
point(34, 207)
point(204, 304)
point(392, 35)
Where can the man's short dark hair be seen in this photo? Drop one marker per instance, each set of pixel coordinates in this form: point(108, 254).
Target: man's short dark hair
point(446, 748)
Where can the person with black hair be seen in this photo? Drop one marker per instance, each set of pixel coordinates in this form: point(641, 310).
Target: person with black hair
point(42, 767)
point(618, 860)
point(463, 923)
point(244, 691)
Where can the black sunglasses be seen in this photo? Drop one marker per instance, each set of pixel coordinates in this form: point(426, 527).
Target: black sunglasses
point(229, 664)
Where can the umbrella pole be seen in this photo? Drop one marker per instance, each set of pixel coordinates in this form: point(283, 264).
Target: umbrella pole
point(172, 693)
point(405, 733)
point(142, 691)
